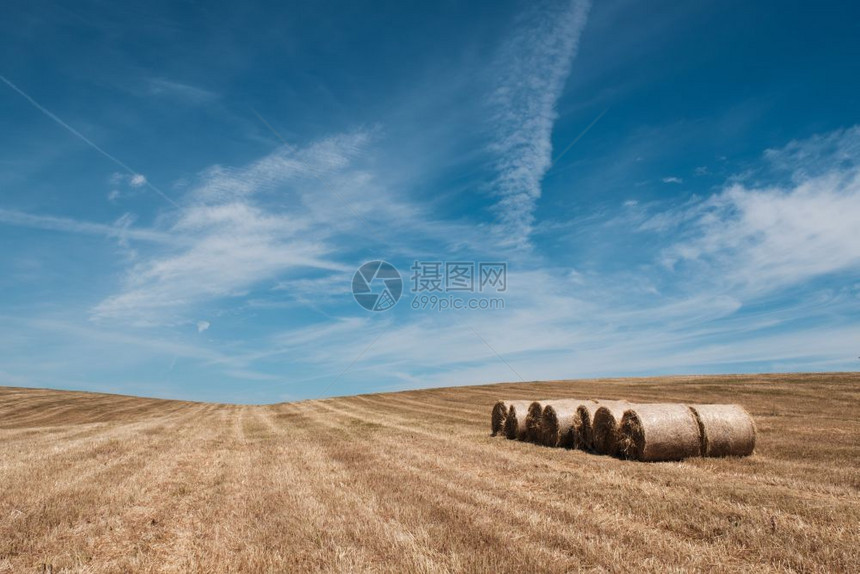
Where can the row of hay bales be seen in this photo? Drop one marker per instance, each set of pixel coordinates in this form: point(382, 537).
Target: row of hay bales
point(645, 432)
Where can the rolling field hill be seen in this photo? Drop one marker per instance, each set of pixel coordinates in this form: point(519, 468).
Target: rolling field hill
point(412, 482)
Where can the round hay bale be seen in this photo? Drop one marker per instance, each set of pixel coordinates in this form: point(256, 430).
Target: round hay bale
point(498, 416)
point(659, 432)
point(557, 422)
point(533, 422)
point(604, 426)
point(582, 425)
point(725, 430)
point(515, 423)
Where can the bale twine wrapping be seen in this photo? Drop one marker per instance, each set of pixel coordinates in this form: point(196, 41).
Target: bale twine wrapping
point(659, 432)
point(725, 430)
point(557, 422)
point(515, 423)
point(604, 426)
point(582, 425)
point(498, 416)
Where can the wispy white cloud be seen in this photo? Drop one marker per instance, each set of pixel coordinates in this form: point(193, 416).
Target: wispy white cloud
point(317, 162)
point(231, 248)
point(74, 334)
point(72, 344)
point(555, 327)
point(122, 228)
point(766, 238)
point(264, 225)
point(672, 179)
point(532, 69)
point(125, 186)
point(163, 87)
point(269, 222)
point(818, 155)
point(747, 249)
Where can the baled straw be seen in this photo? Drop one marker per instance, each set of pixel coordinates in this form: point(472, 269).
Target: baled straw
point(659, 432)
point(584, 422)
point(498, 416)
point(604, 426)
point(582, 438)
point(515, 423)
point(726, 430)
point(557, 422)
point(533, 422)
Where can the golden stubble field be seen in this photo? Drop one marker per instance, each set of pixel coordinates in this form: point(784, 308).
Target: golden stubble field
point(412, 482)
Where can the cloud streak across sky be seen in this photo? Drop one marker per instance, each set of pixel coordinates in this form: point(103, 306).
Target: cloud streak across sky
point(531, 71)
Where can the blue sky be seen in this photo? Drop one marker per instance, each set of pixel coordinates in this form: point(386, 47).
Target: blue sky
point(186, 191)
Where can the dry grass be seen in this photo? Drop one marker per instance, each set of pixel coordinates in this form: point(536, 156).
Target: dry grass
point(96, 483)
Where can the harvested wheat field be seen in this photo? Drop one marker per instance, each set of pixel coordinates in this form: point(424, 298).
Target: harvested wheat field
point(100, 483)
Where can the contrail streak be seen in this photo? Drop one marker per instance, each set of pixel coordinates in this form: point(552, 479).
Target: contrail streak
point(84, 138)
